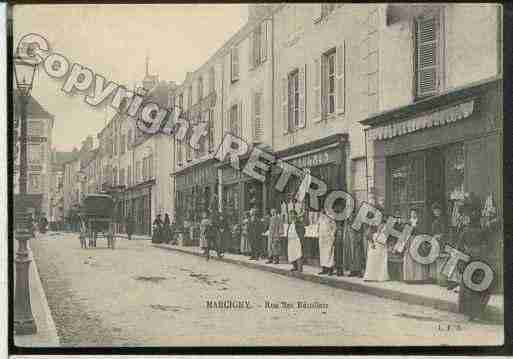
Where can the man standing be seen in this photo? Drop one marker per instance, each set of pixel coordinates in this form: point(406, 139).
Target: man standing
point(129, 226)
point(274, 237)
point(327, 230)
point(254, 233)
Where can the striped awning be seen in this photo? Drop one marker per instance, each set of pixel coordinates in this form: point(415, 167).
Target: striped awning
point(434, 119)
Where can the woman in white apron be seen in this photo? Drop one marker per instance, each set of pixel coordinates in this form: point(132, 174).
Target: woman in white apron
point(294, 251)
point(327, 230)
point(376, 269)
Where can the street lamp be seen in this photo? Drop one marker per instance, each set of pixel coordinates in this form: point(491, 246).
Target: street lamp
point(23, 319)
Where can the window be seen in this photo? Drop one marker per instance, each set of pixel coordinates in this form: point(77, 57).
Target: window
point(212, 80)
point(179, 155)
point(234, 60)
point(35, 182)
point(210, 130)
point(122, 177)
point(234, 120)
point(123, 144)
point(257, 117)
point(180, 101)
point(427, 62)
point(327, 9)
point(35, 128)
point(138, 172)
point(35, 153)
point(114, 176)
point(329, 83)
point(189, 98)
point(293, 99)
point(258, 46)
point(200, 88)
point(129, 175)
point(129, 139)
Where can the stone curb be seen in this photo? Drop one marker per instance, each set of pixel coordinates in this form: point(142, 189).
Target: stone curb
point(491, 314)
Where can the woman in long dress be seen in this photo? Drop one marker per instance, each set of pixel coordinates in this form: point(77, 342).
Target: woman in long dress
point(473, 240)
point(376, 269)
point(327, 229)
point(413, 272)
point(205, 223)
point(294, 250)
point(245, 247)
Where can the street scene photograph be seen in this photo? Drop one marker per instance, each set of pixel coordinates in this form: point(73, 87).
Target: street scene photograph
point(249, 175)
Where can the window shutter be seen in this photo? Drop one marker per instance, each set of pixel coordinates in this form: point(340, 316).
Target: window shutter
point(240, 121)
point(427, 64)
point(317, 16)
point(264, 28)
point(284, 105)
point(341, 78)
point(252, 54)
point(316, 99)
point(301, 105)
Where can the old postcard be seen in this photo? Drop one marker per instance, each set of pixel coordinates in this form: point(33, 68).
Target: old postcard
point(233, 175)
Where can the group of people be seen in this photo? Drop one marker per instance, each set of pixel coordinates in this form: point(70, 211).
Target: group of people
point(162, 230)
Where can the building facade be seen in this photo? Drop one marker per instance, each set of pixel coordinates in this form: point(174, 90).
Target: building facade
point(436, 132)
point(39, 159)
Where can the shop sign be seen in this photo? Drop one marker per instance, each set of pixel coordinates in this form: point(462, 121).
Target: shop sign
point(438, 118)
point(198, 176)
point(315, 159)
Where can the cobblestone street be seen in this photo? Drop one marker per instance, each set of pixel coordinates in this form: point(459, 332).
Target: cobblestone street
point(139, 295)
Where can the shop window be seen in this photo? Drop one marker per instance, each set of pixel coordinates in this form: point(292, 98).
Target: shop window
point(427, 55)
point(407, 185)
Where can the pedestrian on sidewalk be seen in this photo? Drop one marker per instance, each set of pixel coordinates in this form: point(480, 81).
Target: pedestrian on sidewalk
point(376, 269)
point(129, 226)
point(157, 230)
point(224, 233)
point(166, 230)
point(205, 235)
point(294, 247)
point(83, 233)
point(245, 247)
point(254, 234)
point(327, 228)
point(413, 272)
point(275, 227)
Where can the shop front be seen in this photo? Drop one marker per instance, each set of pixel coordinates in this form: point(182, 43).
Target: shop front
point(326, 160)
point(137, 200)
point(196, 189)
point(437, 152)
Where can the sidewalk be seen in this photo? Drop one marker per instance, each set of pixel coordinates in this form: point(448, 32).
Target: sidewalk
point(46, 335)
point(420, 294)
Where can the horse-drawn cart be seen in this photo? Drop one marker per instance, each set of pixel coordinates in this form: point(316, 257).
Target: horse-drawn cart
point(98, 211)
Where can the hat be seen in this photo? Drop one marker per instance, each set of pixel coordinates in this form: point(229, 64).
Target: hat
point(436, 205)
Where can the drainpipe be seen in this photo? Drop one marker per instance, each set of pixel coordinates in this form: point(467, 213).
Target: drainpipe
point(272, 80)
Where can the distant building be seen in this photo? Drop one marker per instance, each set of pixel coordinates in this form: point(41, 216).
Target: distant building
point(39, 130)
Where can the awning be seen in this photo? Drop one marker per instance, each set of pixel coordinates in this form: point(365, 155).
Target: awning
point(434, 119)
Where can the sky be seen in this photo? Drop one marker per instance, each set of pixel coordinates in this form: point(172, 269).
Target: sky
point(113, 40)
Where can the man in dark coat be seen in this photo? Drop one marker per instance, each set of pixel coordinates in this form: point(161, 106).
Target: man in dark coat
point(129, 226)
point(254, 234)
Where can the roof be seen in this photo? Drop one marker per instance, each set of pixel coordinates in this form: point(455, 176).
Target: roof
point(34, 108)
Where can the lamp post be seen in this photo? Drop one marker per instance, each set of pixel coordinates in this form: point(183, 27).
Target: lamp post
point(23, 319)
